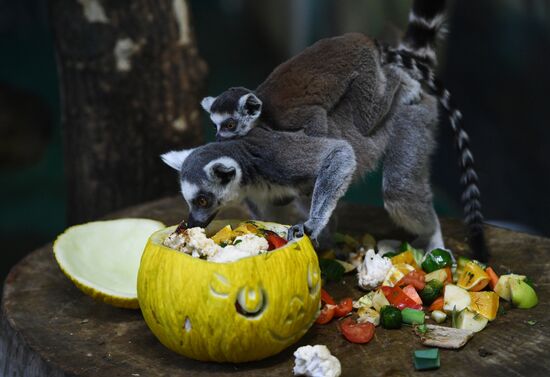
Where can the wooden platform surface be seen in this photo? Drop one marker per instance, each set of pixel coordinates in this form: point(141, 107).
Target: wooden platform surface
point(49, 328)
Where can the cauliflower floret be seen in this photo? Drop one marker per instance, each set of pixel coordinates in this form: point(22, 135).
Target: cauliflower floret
point(244, 246)
point(316, 361)
point(193, 241)
point(373, 270)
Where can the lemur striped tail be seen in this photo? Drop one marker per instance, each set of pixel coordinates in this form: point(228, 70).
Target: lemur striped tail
point(425, 26)
point(468, 177)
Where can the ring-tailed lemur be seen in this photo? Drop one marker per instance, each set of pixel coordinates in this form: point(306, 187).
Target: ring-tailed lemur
point(327, 116)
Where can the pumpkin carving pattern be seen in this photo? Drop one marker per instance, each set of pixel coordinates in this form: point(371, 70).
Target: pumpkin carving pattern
point(229, 312)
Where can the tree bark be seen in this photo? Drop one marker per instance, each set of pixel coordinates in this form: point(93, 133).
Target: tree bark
point(131, 81)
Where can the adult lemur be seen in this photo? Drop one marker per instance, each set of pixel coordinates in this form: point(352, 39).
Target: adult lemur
point(330, 115)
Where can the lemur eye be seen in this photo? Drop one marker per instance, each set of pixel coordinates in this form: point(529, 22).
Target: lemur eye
point(230, 124)
point(202, 202)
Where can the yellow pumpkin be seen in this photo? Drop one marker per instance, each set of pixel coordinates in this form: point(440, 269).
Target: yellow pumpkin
point(229, 312)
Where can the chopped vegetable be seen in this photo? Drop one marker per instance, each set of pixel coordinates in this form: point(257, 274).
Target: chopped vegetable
point(406, 257)
point(431, 291)
point(440, 275)
point(331, 270)
point(357, 332)
point(469, 320)
point(368, 315)
point(426, 359)
point(455, 298)
point(327, 298)
point(449, 279)
point(523, 295)
point(274, 240)
point(503, 285)
point(445, 337)
point(343, 308)
point(412, 316)
point(348, 267)
point(379, 300)
point(365, 301)
point(437, 259)
point(326, 315)
point(473, 277)
point(437, 304)
point(484, 303)
point(460, 263)
point(224, 235)
point(399, 299)
point(439, 316)
point(396, 273)
point(390, 317)
point(416, 278)
point(410, 291)
point(492, 276)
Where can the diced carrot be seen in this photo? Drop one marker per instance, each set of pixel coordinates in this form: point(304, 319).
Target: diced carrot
point(449, 279)
point(410, 291)
point(437, 304)
point(493, 276)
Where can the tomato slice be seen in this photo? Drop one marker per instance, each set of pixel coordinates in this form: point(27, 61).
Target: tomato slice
point(410, 291)
point(274, 240)
point(326, 298)
point(327, 313)
point(416, 278)
point(399, 299)
point(357, 332)
point(343, 308)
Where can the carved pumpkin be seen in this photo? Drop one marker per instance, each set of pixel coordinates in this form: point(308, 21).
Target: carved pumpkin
point(229, 312)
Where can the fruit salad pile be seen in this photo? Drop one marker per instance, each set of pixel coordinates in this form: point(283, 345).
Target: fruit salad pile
point(409, 287)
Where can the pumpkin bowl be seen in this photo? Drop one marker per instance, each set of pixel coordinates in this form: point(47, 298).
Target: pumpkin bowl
point(239, 311)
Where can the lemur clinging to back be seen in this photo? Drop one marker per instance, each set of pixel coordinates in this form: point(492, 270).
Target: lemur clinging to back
point(330, 115)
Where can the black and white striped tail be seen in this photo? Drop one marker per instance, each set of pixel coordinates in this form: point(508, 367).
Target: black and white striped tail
point(426, 20)
point(468, 176)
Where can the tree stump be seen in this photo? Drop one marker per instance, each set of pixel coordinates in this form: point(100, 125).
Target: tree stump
point(49, 328)
point(131, 80)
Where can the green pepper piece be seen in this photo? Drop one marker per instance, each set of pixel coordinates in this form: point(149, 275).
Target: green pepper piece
point(431, 291)
point(437, 259)
point(390, 317)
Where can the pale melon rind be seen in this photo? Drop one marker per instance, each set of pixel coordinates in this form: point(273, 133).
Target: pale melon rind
point(189, 303)
point(105, 239)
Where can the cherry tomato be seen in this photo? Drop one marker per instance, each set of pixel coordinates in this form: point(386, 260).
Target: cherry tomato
point(399, 299)
point(357, 332)
point(326, 298)
point(274, 240)
point(327, 313)
point(416, 278)
point(343, 308)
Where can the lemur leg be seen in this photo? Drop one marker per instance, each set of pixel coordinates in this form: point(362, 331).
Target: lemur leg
point(253, 209)
point(334, 176)
point(406, 185)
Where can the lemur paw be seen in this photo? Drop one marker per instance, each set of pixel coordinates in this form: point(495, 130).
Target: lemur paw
point(297, 231)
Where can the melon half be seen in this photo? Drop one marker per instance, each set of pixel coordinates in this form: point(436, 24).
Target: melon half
point(102, 258)
point(240, 311)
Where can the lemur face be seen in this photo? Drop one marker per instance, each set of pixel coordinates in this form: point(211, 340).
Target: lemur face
point(206, 185)
point(234, 112)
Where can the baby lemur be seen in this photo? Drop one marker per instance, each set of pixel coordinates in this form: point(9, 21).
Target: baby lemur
point(330, 115)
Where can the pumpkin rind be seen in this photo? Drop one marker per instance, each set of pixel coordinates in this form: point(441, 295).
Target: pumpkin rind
point(229, 312)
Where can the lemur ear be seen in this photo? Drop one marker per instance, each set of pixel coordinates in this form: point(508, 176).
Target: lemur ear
point(207, 102)
point(175, 159)
point(223, 173)
point(250, 105)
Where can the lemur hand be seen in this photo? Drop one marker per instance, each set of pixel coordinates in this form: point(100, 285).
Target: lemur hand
point(297, 231)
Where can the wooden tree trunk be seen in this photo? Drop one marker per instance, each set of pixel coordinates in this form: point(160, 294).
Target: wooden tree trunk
point(131, 81)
